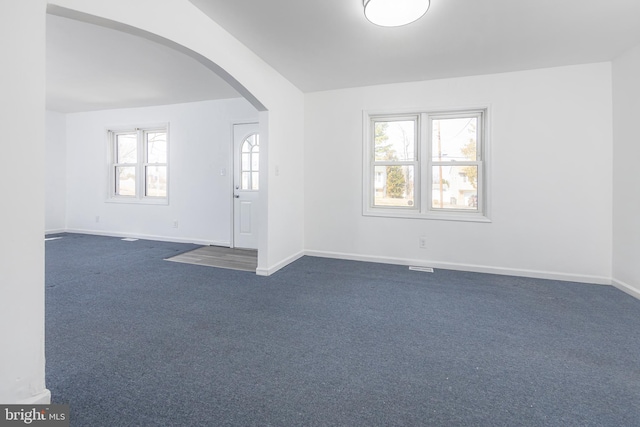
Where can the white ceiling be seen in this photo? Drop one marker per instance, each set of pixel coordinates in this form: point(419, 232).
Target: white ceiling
point(95, 68)
point(328, 44)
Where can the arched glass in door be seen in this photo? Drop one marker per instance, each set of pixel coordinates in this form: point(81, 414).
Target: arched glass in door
point(250, 161)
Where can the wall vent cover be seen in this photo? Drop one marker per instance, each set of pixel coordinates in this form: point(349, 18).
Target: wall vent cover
point(422, 269)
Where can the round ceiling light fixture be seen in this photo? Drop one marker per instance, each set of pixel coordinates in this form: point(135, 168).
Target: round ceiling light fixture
point(394, 13)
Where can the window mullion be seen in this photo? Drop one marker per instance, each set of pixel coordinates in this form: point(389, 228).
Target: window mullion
point(141, 167)
point(426, 165)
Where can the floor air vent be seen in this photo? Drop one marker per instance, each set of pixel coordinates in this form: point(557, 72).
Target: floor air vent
point(422, 269)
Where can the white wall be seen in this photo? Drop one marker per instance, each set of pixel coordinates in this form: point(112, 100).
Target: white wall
point(22, 80)
point(179, 21)
point(200, 136)
point(55, 172)
point(286, 176)
point(626, 179)
point(550, 171)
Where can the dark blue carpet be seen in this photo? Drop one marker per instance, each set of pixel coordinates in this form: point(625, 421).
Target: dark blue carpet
point(133, 340)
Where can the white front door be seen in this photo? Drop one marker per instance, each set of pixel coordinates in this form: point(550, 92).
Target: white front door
point(246, 184)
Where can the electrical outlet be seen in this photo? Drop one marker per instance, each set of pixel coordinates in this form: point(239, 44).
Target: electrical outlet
point(422, 242)
point(97, 218)
point(175, 223)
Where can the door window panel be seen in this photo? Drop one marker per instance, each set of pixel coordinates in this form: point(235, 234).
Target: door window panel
point(250, 163)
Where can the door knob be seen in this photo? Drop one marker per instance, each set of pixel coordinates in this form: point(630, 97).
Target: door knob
point(237, 196)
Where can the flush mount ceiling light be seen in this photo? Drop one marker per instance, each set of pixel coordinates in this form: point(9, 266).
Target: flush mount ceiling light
point(394, 13)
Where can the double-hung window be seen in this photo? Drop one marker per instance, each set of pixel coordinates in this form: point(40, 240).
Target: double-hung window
point(138, 169)
point(426, 165)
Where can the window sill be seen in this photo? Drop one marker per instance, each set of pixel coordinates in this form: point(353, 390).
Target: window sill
point(135, 201)
point(437, 216)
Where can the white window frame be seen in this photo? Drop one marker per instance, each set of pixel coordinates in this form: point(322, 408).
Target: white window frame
point(140, 165)
point(423, 175)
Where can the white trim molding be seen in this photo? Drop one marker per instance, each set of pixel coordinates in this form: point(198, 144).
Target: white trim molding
point(626, 288)
point(140, 166)
point(42, 398)
point(274, 268)
point(417, 204)
point(55, 231)
point(504, 271)
point(193, 240)
point(537, 274)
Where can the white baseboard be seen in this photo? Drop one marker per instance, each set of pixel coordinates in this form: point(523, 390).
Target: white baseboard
point(42, 398)
point(466, 267)
point(151, 237)
point(55, 231)
point(538, 274)
point(272, 269)
point(627, 288)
